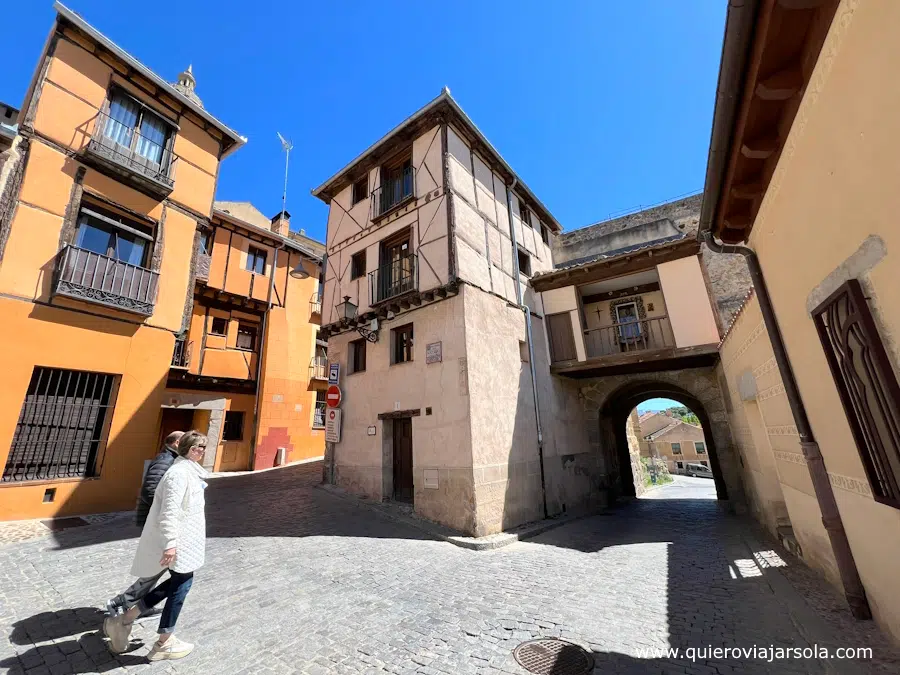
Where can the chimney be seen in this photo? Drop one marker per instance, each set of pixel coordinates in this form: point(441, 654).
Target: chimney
point(281, 223)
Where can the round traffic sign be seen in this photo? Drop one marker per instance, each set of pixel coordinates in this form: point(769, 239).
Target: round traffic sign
point(333, 396)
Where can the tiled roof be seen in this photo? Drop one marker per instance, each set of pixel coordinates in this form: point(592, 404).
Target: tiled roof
point(611, 255)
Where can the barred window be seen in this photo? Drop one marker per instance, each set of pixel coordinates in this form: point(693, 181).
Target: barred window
point(866, 383)
point(61, 430)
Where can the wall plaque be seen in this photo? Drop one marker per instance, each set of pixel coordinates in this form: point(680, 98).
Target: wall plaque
point(433, 352)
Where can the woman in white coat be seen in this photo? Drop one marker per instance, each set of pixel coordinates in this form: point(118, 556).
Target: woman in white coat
point(173, 538)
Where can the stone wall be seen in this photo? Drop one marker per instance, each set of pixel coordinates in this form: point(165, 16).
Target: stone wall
point(632, 433)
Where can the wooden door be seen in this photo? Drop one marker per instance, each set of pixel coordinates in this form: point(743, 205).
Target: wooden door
point(173, 419)
point(562, 340)
point(403, 460)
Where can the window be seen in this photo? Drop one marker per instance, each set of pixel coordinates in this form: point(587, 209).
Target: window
point(246, 336)
point(680, 465)
point(256, 260)
point(402, 344)
point(319, 411)
point(219, 326)
point(358, 265)
point(868, 388)
point(700, 447)
point(397, 185)
point(524, 263)
point(545, 235)
point(233, 429)
point(108, 234)
point(62, 426)
point(206, 243)
point(356, 361)
point(676, 448)
point(361, 189)
point(523, 351)
point(131, 125)
point(523, 214)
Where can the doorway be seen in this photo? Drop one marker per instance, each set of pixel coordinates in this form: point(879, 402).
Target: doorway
point(174, 419)
point(403, 460)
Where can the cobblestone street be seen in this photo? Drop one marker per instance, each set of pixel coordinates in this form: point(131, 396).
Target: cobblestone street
point(300, 581)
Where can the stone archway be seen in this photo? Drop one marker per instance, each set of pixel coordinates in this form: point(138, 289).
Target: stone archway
point(613, 398)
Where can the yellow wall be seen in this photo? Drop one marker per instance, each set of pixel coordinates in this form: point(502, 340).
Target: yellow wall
point(687, 302)
point(834, 188)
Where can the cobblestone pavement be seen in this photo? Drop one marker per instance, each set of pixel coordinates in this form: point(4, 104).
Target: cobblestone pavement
point(300, 581)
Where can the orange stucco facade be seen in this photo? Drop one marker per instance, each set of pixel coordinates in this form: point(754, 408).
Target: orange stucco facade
point(125, 318)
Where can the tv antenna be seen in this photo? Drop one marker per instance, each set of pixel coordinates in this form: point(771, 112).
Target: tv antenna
point(287, 146)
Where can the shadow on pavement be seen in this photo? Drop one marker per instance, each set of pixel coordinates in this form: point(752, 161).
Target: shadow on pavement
point(86, 654)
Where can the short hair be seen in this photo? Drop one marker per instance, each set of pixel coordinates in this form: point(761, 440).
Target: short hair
point(173, 438)
point(189, 440)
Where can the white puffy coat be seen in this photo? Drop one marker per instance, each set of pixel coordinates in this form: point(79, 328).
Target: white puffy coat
point(177, 519)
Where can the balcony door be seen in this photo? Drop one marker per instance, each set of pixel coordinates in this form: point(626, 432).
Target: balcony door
point(395, 269)
point(134, 133)
point(629, 325)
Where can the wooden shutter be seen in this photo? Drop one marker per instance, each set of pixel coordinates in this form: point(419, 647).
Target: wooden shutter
point(866, 383)
point(562, 341)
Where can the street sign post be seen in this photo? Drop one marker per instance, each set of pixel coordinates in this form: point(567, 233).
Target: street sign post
point(333, 425)
point(333, 396)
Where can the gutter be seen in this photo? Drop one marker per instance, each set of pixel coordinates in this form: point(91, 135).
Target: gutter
point(831, 516)
point(740, 22)
point(530, 339)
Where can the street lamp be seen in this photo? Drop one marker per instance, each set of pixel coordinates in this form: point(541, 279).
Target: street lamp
point(346, 309)
point(299, 272)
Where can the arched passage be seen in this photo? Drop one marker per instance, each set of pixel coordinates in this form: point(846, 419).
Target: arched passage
point(614, 413)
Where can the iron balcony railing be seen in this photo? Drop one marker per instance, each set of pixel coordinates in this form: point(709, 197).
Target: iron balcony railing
point(393, 191)
point(315, 304)
point(181, 356)
point(319, 415)
point(395, 278)
point(629, 336)
point(86, 275)
point(318, 368)
point(121, 146)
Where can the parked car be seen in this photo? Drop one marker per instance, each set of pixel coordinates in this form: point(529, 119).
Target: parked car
point(698, 470)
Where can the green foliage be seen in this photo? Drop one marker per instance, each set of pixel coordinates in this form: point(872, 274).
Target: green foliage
point(662, 477)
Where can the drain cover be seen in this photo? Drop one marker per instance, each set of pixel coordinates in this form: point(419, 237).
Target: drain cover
point(553, 657)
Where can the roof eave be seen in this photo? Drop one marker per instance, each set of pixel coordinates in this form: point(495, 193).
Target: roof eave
point(233, 136)
point(277, 238)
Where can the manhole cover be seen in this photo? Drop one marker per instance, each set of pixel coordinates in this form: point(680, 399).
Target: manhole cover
point(553, 657)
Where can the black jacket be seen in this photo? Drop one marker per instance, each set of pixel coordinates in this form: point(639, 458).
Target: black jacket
point(155, 472)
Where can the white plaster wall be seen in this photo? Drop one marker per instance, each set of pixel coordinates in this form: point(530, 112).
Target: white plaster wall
point(565, 299)
point(350, 230)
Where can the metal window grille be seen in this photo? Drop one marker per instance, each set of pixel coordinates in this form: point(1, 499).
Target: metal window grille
point(60, 433)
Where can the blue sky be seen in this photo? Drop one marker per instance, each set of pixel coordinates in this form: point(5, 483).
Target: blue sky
point(599, 106)
point(657, 404)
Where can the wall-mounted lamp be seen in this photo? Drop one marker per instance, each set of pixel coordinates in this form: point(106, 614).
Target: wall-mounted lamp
point(346, 309)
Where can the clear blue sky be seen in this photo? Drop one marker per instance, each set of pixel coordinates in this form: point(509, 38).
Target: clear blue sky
point(658, 404)
point(599, 106)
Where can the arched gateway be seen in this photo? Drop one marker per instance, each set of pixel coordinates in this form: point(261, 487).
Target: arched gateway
point(613, 399)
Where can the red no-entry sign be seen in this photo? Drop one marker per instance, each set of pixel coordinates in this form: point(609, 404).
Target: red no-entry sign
point(333, 396)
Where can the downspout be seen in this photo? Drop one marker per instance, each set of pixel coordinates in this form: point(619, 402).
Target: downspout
point(831, 517)
point(259, 357)
point(530, 338)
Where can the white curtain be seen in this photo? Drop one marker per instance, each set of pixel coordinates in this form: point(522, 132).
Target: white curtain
point(123, 115)
point(152, 138)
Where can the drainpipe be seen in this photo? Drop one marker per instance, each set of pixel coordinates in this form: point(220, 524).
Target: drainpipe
point(259, 357)
point(831, 517)
point(530, 339)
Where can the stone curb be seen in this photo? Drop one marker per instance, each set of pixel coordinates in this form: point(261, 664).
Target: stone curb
point(487, 543)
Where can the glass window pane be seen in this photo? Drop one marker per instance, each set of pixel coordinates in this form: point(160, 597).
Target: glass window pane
point(130, 249)
point(93, 237)
point(123, 114)
point(152, 138)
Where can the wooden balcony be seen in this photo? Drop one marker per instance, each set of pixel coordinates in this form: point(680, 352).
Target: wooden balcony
point(143, 163)
point(89, 276)
point(629, 337)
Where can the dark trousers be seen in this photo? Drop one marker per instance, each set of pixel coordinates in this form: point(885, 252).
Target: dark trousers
point(173, 590)
point(130, 596)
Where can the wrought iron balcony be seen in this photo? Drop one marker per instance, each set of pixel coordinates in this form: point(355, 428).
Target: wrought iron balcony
point(315, 304)
point(393, 192)
point(181, 356)
point(319, 415)
point(136, 158)
point(318, 368)
point(629, 336)
point(85, 275)
point(394, 279)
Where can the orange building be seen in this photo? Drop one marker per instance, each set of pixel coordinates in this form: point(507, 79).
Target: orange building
point(131, 306)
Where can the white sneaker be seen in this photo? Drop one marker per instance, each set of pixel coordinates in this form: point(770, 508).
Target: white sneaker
point(171, 650)
point(118, 633)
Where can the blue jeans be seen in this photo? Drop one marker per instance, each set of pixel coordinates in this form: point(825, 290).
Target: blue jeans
point(173, 590)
